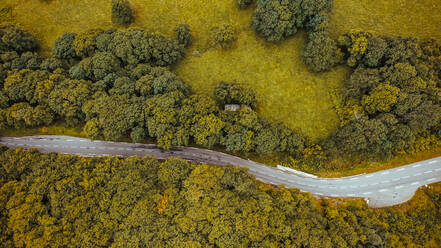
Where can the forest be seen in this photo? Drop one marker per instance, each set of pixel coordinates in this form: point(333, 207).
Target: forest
point(56, 200)
point(127, 82)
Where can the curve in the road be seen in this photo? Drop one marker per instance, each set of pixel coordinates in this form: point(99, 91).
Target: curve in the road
point(380, 189)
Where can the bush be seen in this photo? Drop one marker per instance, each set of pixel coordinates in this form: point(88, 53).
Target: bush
point(122, 12)
point(223, 36)
point(13, 38)
point(84, 43)
point(183, 35)
point(275, 20)
point(63, 47)
point(243, 4)
point(321, 52)
point(232, 93)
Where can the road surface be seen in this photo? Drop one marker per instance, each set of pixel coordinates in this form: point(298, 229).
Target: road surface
point(379, 189)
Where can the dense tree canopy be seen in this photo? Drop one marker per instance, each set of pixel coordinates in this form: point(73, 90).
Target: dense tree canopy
point(396, 86)
point(142, 202)
point(275, 20)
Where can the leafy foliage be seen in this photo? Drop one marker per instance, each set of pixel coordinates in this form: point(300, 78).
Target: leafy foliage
point(13, 38)
point(275, 20)
point(321, 52)
point(122, 12)
point(223, 36)
point(394, 93)
point(141, 202)
point(231, 93)
point(183, 35)
point(243, 4)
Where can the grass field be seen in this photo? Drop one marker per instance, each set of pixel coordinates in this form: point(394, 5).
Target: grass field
point(421, 18)
point(287, 91)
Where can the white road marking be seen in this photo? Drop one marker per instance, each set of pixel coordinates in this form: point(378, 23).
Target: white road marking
point(385, 173)
point(353, 186)
point(21, 145)
point(438, 169)
point(426, 172)
point(369, 176)
point(69, 140)
point(140, 150)
point(417, 165)
point(350, 194)
point(354, 178)
point(367, 193)
point(343, 187)
point(92, 147)
point(387, 181)
point(400, 169)
point(38, 145)
point(432, 162)
point(405, 177)
point(418, 174)
point(382, 190)
point(334, 195)
point(363, 185)
point(431, 179)
point(399, 187)
point(414, 183)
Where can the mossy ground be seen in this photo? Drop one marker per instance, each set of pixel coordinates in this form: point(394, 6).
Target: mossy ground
point(287, 91)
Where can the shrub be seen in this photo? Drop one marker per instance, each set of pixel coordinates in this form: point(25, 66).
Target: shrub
point(183, 35)
point(243, 4)
point(122, 12)
point(321, 52)
point(63, 47)
point(223, 36)
point(13, 38)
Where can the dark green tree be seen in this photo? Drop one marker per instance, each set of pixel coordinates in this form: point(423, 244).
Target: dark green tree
point(122, 12)
point(63, 46)
point(223, 36)
point(243, 4)
point(321, 52)
point(183, 35)
point(13, 38)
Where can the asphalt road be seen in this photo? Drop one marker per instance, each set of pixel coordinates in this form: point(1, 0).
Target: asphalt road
point(379, 189)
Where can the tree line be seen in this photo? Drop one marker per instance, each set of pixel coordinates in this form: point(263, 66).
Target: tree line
point(117, 83)
point(56, 200)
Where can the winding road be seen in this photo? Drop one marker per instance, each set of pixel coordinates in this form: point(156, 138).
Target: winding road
point(379, 189)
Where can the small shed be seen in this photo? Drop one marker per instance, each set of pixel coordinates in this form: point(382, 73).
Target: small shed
point(232, 107)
